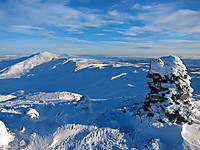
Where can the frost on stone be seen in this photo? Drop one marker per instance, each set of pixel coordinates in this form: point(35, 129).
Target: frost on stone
point(169, 99)
point(5, 135)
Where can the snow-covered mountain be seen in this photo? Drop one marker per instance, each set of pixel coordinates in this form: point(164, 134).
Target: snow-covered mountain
point(18, 69)
point(53, 102)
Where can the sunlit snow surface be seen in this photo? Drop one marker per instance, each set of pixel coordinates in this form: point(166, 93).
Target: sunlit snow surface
point(56, 102)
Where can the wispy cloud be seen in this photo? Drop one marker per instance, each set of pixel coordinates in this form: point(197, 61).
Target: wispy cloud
point(117, 15)
point(67, 39)
point(58, 15)
point(100, 34)
point(26, 27)
point(135, 30)
point(183, 21)
point(139, 6)
point(143, 26)
point(114, 42)
point(48, 14)
point(165, 19)
point(180, 41)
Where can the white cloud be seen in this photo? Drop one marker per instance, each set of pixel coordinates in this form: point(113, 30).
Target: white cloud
point(179, 14)
point(116, 15)
point(180, 41)
point(26, 27)
point(57, 15)
point(67, 39)
point(100, 34)
point(114, 42)
point(182, 21)
point(165, 19)
point(138, 6)
point(135, 30)
point(48, 15)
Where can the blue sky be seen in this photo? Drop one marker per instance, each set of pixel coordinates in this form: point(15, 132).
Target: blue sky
point(147, 28)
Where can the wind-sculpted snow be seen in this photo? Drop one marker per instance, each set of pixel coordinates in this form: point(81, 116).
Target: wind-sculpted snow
point(79, 103)
point(118, 76)
point(88, 137)
point(46, 120)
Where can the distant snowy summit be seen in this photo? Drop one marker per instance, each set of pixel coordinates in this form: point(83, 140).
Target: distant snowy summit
point(169, 99)
point(19, 69)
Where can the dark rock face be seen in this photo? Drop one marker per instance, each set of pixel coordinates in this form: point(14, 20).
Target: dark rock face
point(169, 99)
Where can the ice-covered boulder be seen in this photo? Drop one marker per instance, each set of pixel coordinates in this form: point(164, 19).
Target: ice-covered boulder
point(5, 135)
point(169, 99)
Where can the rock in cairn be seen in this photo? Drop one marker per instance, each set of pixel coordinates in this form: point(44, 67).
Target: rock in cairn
point(169, 99)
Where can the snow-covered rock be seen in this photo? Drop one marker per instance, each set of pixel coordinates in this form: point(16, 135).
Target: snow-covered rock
point(153, 144)
point(167, 67)
point(32, 113)
point(6, 97)
point(5, 135)
point(169, 99)
point(84, 105)
point(19, 69)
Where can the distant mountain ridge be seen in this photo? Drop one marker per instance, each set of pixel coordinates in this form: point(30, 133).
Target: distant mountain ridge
point(24, 66)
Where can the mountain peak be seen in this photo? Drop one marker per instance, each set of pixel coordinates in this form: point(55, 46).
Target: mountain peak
point(45, 54)
point(19, 69)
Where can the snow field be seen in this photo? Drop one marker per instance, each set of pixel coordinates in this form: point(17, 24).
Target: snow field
point(49, 102)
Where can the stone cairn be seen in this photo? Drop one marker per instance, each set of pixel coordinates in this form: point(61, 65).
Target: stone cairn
point(169, 99)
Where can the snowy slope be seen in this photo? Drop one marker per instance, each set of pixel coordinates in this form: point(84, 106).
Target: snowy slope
point(19, 69)
point(52, 102)
point(62, 75)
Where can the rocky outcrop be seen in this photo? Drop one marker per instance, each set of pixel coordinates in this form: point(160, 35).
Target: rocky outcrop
point(84, 105)
point(169, 99)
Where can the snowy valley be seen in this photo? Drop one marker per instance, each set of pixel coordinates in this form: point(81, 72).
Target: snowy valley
point(68, 102)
